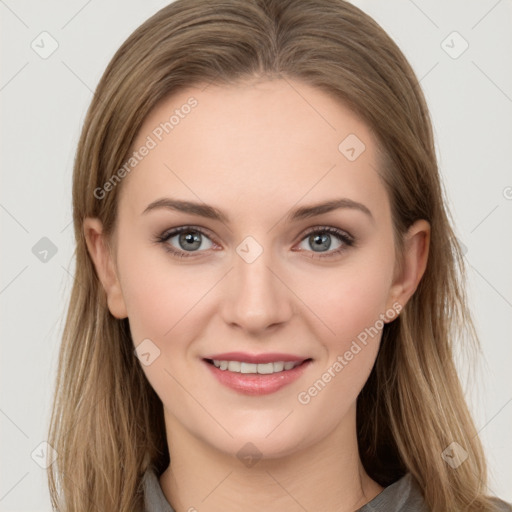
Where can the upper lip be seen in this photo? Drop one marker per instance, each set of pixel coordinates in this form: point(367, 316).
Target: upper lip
point(270, 357)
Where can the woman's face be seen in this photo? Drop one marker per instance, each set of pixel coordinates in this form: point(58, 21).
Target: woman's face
point(247, 281)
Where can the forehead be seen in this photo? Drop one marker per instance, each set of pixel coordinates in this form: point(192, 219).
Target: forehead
point(279, 142)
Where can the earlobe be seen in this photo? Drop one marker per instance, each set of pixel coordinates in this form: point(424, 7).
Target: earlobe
point(105, 267)
point(416, 249)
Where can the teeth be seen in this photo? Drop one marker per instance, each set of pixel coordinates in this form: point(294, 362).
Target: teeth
point(234, 366)
point(248, 368)
point(261, 368)
point(279, 366)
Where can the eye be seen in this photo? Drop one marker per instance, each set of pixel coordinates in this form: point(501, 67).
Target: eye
point(320, 239)
point(188, 239)
point(184, 241)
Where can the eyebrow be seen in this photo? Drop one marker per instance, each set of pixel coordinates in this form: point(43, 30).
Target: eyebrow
point(213, 213)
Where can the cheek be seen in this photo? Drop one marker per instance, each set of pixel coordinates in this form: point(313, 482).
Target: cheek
point(150, 311)
point(349, 299)
point(163, 301)
point(351, 303)
point(158, 292)
point(354, 314)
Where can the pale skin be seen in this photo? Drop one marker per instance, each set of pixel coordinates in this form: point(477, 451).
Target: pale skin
point(257, 151)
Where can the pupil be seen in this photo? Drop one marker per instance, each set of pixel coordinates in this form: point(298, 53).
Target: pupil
point(321, 241)
point(190, 241)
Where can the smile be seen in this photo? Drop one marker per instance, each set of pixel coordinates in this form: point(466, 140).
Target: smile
point(260, 374)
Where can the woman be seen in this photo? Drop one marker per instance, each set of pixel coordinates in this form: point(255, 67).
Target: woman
point(268, 286)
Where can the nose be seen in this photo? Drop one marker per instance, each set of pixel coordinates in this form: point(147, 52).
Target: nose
point(256, 298)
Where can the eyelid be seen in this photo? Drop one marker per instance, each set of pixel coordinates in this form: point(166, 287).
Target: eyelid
point(169, 233)
point(331, 230)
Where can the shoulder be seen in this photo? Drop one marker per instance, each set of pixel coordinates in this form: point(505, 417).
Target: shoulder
point(154, 498)
point(404, 495)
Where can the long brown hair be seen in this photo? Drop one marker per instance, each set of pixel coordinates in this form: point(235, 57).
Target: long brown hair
point(107, 422)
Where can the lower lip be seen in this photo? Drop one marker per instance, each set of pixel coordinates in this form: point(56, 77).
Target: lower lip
point(255, 383)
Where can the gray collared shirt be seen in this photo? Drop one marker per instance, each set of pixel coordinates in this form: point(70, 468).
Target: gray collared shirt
point(402, 496)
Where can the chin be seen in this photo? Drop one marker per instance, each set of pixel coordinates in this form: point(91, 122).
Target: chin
point(259, 441)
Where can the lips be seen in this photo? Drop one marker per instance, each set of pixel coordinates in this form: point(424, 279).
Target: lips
point(256, 374)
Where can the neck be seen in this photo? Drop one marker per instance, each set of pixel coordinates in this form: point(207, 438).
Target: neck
point(322, 477)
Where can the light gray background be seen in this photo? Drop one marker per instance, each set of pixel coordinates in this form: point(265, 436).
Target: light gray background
point(43, 106)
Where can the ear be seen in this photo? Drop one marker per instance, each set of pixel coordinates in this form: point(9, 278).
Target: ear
point(105, 266)
point(407, 278)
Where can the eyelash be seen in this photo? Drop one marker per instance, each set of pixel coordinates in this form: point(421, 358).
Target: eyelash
point(347, 240)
